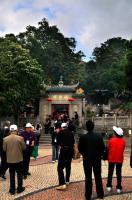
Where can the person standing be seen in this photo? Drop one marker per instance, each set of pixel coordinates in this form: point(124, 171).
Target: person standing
point(37, 132)
point(29, 138)
point(131, 155)
point(76, 119)
point(55, 148)
point(92, 147)
point(14, 146)
point(116, 147)
point(5, 131)
point(47, 125)
point(66, 142)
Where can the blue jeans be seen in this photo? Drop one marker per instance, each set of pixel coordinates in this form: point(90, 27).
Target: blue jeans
point(54, 152)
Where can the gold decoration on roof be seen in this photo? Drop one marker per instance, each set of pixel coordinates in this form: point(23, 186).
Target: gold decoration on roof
point(80, 91)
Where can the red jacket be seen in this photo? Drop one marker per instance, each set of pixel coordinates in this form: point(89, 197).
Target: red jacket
point(116, 148)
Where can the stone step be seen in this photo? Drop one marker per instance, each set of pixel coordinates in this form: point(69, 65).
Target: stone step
point(45, 139)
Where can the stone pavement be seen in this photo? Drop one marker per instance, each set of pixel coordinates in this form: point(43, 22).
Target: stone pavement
point(41, 184)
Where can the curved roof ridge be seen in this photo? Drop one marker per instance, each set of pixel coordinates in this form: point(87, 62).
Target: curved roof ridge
point(63, 86)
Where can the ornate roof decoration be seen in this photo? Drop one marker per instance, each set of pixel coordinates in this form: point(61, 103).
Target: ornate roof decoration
point(60, 87)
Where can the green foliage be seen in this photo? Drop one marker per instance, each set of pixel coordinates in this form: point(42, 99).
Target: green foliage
point(127, 107)
point(20, 75)
point(54, 52)
point(107, 70)
point(111, 53)
point(128, 66)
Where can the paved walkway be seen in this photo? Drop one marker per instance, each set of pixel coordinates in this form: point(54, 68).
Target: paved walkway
point(41, 184)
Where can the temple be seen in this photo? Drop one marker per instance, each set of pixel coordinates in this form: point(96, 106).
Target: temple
point(59, 99)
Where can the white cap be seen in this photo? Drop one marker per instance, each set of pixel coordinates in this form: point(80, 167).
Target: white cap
point(13, 127)
point(118, 130)
point(63, 125)
point(28, 125)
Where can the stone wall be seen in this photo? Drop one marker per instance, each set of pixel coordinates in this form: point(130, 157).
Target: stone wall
point(124, 122)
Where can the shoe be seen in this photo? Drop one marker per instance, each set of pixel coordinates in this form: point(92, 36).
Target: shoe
point(20, 190)
point(67, 183)
point(25, 176)
point(28, 173)
point(11, 192)
point(109, 189)
point(2, 176)
point(88, 198)
point(61, 187)
point(119, 191)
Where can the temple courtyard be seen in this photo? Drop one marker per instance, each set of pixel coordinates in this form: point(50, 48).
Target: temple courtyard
point(43, 180)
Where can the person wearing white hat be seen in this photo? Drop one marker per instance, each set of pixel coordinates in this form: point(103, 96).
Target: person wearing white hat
point(116, 146)
point(63, 125)
point(66, 142)
point(29, 138)
point(14, 146)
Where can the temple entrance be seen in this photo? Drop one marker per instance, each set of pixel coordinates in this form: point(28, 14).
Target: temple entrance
point(60, 109)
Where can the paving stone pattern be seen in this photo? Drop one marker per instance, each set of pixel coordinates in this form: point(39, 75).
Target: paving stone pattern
point(41, 184)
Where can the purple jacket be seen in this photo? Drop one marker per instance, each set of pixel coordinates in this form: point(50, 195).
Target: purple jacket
point(29, 137)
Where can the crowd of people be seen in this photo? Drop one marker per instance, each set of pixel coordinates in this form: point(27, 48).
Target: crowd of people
point(53, 127)
point(17, 147)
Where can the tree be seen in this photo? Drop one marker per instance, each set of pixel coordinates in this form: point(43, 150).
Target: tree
point(20, 75)
point(128, 66)
point(107, 70)
point(53, 51)
point(111, 53)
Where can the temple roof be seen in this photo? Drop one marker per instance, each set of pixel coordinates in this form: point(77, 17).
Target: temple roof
point(60, 87)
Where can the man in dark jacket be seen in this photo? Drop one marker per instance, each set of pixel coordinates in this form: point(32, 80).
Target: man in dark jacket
point(91, 146)
point(5, 131)
point(66, 142)
point(131, 155)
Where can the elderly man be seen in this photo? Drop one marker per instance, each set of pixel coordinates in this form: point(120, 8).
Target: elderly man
point(14, 146)
point(29, 138)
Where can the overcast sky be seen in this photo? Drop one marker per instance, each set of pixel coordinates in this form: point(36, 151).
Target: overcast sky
point(90, 22)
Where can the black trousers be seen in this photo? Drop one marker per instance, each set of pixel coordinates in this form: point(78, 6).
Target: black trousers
point(64, 161)
point(26, 160)
point(96, 166)
point(118, 174)
point(4, 164)
point(16, 168)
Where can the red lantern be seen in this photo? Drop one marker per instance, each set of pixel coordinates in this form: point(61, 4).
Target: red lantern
point(49, 99)
point(71, 99)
